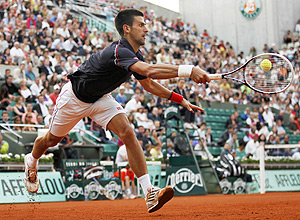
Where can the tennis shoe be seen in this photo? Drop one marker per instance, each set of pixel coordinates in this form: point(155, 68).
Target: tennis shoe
point(31, 180)
point(157, 197)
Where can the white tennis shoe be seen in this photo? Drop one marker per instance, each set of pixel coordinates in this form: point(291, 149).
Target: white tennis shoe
point(31, 180)
point(157, 197)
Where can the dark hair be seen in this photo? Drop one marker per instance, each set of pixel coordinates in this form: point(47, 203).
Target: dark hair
point(126, 16)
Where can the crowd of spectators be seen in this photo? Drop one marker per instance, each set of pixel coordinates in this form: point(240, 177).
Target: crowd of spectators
point(43, 45)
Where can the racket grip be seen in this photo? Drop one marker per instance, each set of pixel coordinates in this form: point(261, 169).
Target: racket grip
point(215, 76)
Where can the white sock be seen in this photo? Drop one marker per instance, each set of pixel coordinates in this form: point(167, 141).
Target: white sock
point(32, 162)
point(145, 183)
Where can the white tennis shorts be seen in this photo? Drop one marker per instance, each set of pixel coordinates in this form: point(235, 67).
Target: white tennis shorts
point(69, 110)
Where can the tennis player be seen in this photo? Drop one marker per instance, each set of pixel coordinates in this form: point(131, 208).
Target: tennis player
point(88, 95)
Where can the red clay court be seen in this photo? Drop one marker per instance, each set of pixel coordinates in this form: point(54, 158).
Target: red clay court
point(283, 205)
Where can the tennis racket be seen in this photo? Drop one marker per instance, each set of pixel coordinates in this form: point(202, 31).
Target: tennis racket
point(265, 73)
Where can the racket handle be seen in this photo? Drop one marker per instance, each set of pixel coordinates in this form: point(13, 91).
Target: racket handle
point(215, 76)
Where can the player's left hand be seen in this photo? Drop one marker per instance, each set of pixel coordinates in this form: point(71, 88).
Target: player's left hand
point(190, 106)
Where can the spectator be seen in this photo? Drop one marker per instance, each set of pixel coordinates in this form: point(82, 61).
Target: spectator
point(226, 135)
point(121, 154)
point(142, 118)
point(4, 98)
point(156, 151)
point(12, 88)
point(240, 151)
point(19, 108)
point(17, 120)
point(133, 104)
point(126, 177)
point(54, 95)
point(47, 100)
point(233, 141)
point(268, 116)
point(19, 73)
point(121, 97)
point(4, 146)
point(141, 135)
point(252, 148)
point(280, 130)
point(36, 87)
point(28, 118)
point(147, 150)
point(288, 37)
point(293, 125)
point(17, 53)
point(40, 107)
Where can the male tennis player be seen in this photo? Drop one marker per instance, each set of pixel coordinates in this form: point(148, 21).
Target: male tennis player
point(88, 95)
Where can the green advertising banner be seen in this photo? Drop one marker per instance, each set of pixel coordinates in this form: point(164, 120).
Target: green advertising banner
point(185, 180)
point(278, 180)
point(13, 190)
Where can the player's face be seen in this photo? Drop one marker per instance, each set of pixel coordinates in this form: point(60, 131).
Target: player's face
point(138, 30)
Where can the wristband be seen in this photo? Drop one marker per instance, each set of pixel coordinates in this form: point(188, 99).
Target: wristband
point(185, 70)
point(175, 97)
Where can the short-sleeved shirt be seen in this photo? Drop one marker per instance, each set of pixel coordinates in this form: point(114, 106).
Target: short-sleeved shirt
point(124, 172)
point(104, 71)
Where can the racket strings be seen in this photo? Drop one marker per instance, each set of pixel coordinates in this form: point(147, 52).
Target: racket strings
point(277, 78)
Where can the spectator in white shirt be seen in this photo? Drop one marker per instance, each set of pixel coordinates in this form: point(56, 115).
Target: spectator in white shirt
point(17, 53)
point(268, 116)
point(252, 148)
point(70, 44)
point(97, 40)
point(58, 43)
point(36, 87)
point(133, 104)
point(63, 31)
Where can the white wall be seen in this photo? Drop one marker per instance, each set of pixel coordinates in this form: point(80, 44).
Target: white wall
point(224, 19)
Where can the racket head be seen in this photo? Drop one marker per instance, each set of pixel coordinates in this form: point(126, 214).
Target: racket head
point(268, 73)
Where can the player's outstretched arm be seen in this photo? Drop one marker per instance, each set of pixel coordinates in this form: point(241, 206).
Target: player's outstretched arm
point(158, 90)
point(167, 71)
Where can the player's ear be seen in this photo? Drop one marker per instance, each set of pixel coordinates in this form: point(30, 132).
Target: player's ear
point(126, 28)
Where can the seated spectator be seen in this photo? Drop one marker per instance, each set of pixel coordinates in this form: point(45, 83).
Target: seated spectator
point(12, 88)
point(17, 53)
point(252, 148)
point(288, 37)
point(17, 120)
point(246, 114)
point(121, 154)
point(140, 134)
point(19, 108)
point(29, 74)
point(147, 150)
point(36, 87)
point(142, 118)
point(5, 119)
point(156, 151)
point(121, 97)
point(133, 104)
point(28, 118)
point(132, 121)
point(54, 95)
point(4, 146)
point(19, 73)
point(4, 98)
point(233, 141)
point(126, 177)
point(280, 130)
point(40, 108)
point(225, 136)
point(240, 151)
point(293, 125)
point(29, 109)
point(155, 116)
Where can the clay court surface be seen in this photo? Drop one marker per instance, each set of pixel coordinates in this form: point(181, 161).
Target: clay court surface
point(269, 206)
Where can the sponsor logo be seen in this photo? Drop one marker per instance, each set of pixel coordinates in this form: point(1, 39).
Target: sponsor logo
point(171, 109)
point(113, 190)
point(225, 186)
point(239, 186)
point(74, 191)
point(250, 8)
point(184, 180)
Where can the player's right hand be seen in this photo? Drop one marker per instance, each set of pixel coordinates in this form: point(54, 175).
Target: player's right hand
point(199, 76)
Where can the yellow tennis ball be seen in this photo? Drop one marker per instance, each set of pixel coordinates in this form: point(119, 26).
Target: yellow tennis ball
point(265, 65)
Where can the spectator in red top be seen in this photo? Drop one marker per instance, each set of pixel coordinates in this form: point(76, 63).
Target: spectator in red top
point(127, 175)
point(54, 95)
point(31, 21)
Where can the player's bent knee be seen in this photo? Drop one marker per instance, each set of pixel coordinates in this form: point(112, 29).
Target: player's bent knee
point(127, 132)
